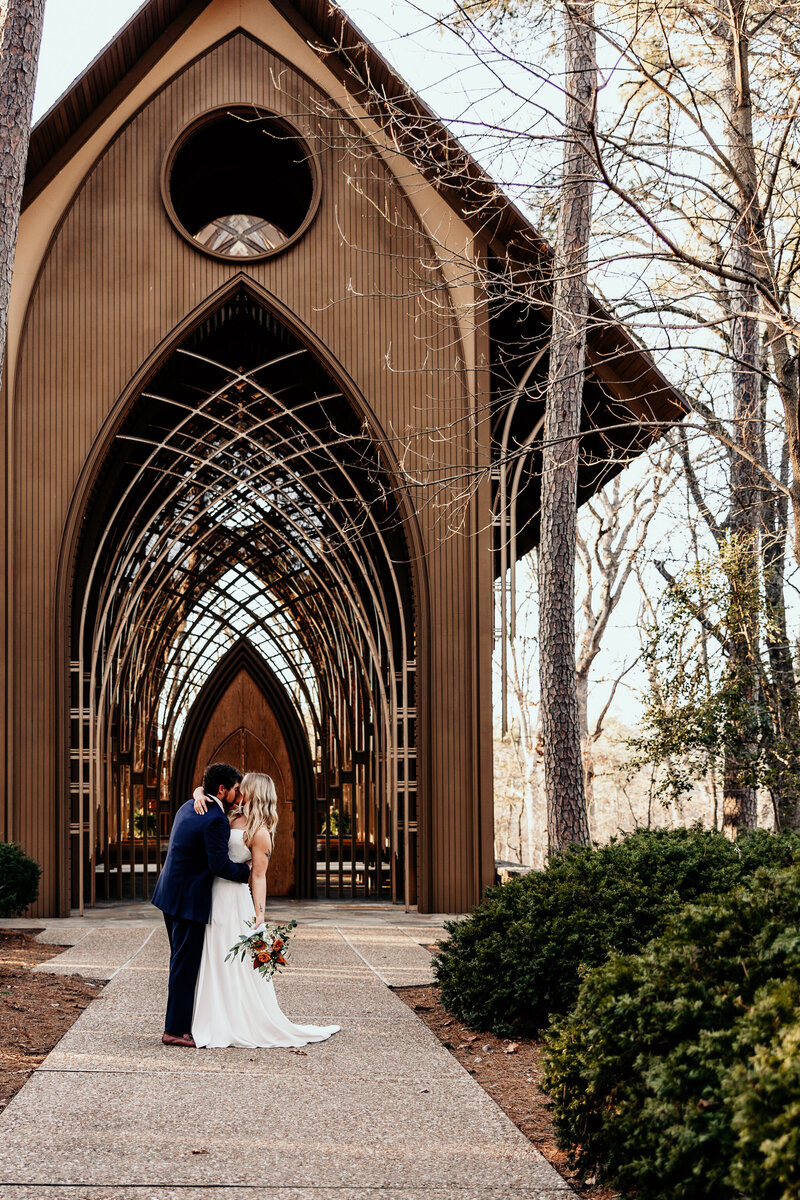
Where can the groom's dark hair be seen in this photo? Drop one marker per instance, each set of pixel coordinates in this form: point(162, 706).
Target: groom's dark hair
point(219, 775)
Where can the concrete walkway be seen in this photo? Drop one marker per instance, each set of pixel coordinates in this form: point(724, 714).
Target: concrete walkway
point(380, 1108)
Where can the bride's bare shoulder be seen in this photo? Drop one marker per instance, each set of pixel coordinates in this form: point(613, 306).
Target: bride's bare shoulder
point(262, 840)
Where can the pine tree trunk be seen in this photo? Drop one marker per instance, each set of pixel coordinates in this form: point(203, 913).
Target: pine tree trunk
point(783, 750)
point(563, 768)
point(587, 746)
point(746, 499)
point(20, 37)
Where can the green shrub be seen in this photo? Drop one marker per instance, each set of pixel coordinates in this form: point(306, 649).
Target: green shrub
point(520, 954)
point(645, 1073)
point(19, 880)
point(763, 1094)
point(138, 823)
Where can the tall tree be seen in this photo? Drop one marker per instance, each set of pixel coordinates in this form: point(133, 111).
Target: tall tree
point(21, 24)
point(567, 819)
point(696, 237)
point(612, 531)
point(610, 548)
point(739, 794)
point(722, 75)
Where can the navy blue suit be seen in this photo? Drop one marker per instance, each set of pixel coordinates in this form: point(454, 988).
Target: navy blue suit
point(198, 850)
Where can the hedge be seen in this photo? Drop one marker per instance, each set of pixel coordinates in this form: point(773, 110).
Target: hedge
point(520, 955)
point(19, 880)
point(653, 1074)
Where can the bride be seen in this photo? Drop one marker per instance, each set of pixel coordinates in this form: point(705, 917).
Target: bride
point(233, 1004)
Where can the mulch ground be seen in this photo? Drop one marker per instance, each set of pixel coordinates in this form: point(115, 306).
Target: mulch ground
point(35, 1010)
point(511, 1079)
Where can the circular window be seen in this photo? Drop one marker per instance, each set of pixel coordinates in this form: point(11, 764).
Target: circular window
point(240, 183)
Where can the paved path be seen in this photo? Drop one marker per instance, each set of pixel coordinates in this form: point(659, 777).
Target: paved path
point(380, 1109)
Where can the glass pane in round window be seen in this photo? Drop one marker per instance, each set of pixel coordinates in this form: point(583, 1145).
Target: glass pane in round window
point(239, 236)
point(240, 183)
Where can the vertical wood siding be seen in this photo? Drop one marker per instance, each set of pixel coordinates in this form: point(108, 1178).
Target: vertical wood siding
point(118, 279)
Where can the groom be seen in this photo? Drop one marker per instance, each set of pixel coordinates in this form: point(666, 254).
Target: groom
point(198, 850)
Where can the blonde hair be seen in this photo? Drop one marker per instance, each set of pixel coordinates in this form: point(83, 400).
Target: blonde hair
point(262, 809)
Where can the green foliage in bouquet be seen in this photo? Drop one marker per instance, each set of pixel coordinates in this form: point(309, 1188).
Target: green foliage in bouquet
point(19, 880)
point(266, 948)
point(520, 955)
point(650, 1073)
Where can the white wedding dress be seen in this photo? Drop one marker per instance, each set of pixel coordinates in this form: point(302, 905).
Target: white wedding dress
point(233, 1004)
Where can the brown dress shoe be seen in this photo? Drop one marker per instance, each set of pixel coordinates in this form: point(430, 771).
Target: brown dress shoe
point(173, 1039)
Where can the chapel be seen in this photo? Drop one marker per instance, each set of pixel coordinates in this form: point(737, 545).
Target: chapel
point(273, 398)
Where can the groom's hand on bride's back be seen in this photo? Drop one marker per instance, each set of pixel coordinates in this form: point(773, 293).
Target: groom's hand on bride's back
point(215, 836)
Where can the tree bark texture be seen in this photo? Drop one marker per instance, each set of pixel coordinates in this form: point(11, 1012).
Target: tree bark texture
point(587, 749)
point(563, 768)
point(746, 499)
point(20, 37)
point(785, 748)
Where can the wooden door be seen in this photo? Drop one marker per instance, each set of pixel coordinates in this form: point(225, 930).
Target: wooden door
point(244, 731)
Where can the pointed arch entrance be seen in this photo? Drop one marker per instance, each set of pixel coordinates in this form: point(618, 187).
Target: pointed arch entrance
point(243, 517)
point(243, 715)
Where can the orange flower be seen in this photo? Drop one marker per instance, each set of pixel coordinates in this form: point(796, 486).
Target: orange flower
point(281, 960)
point(276, 945)
point(260, 944)
point(263, 956)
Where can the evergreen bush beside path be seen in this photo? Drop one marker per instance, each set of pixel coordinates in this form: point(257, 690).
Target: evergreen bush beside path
point(520, 956)
point(19, 880)
point(677, 1070)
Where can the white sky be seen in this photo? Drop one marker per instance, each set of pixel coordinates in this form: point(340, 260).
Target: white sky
point(74, 32)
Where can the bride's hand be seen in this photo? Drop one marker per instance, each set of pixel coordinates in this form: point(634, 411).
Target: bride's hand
point(200, 802)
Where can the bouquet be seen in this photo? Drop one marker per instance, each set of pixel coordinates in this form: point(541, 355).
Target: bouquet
point(266, 946)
